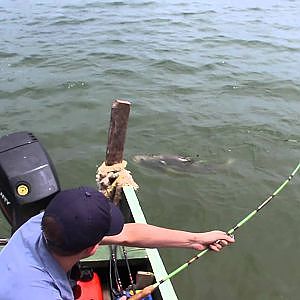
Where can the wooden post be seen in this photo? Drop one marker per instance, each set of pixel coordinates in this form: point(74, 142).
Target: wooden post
point(117, 132)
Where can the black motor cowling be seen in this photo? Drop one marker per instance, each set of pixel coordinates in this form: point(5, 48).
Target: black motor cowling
point(28, 180)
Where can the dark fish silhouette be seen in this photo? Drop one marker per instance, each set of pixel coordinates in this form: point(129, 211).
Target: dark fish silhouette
point(178, 164)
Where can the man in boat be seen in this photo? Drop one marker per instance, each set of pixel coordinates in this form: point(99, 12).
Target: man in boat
point(39, 256)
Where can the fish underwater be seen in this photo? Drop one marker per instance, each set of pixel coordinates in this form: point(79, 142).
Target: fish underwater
point(179, 164)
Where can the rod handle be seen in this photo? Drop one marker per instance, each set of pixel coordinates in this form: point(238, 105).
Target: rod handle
point(143, 293)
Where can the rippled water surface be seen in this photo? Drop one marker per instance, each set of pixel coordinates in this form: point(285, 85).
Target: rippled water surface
point(215, 81)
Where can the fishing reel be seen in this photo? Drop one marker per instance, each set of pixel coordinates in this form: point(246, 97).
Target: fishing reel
point(130, 293)
point(28, 180)
point(142, 278)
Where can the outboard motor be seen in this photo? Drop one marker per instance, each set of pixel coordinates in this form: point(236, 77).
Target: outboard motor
point(28, 180)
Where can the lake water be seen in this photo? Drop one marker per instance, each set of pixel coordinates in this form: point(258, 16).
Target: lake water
point(215, 81)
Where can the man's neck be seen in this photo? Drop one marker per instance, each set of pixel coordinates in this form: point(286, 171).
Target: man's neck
point(66, 262)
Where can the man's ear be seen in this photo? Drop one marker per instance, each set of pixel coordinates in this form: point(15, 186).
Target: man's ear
point(90, 250)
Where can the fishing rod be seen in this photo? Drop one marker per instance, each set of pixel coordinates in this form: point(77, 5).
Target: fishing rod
point(113, 265)
point(147, 290)
point(132, 285)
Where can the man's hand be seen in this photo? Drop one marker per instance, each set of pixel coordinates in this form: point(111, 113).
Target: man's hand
point(215, 240)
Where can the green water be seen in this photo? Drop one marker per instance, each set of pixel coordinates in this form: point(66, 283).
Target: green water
point(213, 81)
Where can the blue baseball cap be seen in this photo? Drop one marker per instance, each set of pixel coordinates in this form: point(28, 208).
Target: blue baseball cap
point(83, 216)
